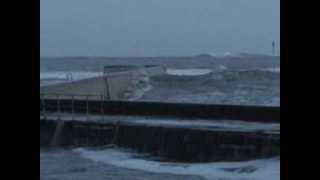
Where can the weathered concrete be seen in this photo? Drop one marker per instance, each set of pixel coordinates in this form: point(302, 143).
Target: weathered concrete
point(148, 121)
point(113, 85)
point(193, 111)
point(171, 143)
point(90, 86)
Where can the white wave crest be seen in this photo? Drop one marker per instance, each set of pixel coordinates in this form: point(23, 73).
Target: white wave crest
point(267, 169)
point(188, 72)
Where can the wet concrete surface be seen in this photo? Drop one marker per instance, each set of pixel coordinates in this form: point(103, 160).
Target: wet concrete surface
point(198, 124)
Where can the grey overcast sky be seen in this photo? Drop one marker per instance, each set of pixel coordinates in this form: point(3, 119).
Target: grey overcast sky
point(157, 27)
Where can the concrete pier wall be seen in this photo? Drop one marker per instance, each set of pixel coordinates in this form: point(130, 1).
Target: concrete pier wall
point(190, 111)
point(112, 85)
point(171, 144)
point(90, 86)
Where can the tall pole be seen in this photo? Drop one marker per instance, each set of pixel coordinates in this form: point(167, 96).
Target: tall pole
point(273, 48)
point(105, 77)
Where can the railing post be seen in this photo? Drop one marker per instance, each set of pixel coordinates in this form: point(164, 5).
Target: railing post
point(43, 106)
point(107, 86)
point(71, 77)
point(102, 108)
point(72, 107)
point(87, 106)
point(116, 132)
point(58, 107)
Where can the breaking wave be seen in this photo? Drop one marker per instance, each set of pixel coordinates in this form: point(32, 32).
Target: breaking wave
point(264, 169)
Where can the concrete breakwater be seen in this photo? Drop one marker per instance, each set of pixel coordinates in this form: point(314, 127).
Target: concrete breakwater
point(111, 86)
point(114, 84)
point(169, 143)
point(193, 111)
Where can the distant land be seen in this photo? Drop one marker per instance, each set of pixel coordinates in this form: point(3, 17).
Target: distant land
point(202, 55)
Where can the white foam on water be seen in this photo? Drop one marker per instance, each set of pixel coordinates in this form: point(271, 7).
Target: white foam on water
point(65, 75)
point(188, 72)
point(265, 169)
point(139, 86)
point(222, 67)
point(275, 70)
point(227, 54)
point(213, 54)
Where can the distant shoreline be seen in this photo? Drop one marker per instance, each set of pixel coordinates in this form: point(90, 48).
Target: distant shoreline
point(236, 55)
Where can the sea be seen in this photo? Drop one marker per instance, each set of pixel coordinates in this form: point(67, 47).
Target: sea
point(245, 80)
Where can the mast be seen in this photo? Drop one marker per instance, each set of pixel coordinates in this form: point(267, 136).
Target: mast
point(273, 48)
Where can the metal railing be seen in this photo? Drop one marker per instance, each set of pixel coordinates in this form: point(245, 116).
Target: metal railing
point(59, 115)
point(99, 105)
point(60, 109)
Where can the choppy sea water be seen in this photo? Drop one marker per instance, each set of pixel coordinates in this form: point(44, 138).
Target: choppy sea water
point(71, 165)
point(246, 81)
point(120, 164)
point(230, 81)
